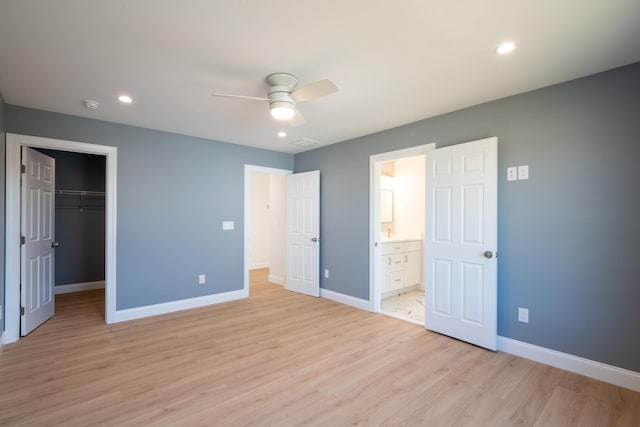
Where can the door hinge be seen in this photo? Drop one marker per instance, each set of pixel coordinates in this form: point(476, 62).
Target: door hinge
point(23, 240)
point(23, 169)
point(21, 311)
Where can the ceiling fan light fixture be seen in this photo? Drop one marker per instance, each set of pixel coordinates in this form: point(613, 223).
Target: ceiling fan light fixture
point(282, 110)
point(505, 48)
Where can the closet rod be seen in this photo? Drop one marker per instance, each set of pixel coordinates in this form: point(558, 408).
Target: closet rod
point(80, 193)
point(81, 208)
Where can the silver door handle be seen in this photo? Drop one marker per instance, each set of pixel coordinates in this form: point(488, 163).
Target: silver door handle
point(315, 239)
point(55, 244)
point(488, 254)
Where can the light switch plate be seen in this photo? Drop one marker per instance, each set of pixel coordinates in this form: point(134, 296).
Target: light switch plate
point(523, 315)
point(512, 174)
point(523, 172)
point(227, 225)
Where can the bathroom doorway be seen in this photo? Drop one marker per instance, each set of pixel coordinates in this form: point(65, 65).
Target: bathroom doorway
point(397, 221)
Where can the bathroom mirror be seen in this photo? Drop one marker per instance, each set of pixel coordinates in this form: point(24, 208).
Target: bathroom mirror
point(386, 206)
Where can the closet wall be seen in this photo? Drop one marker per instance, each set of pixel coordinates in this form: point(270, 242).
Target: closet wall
point(79, 218)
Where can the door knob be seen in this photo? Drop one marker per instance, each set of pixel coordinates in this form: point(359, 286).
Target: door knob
point(315, 239)
point(488, 254)
point(55, 244)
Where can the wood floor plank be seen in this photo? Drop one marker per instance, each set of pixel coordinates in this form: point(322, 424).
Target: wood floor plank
point(280, 358)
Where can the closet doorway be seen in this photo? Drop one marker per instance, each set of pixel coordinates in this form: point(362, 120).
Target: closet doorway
point(14, 145)
point(79, 221)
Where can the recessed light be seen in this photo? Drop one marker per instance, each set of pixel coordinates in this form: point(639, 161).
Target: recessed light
point(505, 48)
point(125, 99)
point(282, 134)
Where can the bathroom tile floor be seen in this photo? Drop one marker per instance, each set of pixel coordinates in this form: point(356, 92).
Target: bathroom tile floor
point(409, 306)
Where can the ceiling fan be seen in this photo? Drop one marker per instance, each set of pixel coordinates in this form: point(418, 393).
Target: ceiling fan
point(283, 95)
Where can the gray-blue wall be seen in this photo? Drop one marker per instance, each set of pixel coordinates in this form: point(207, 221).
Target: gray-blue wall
point(2, 162)
point(567, 237)
point(174, 191)
point(79, 220)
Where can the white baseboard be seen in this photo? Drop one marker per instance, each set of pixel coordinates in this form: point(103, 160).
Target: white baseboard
point(395, 292)
point(258, 265)
point(362, 304)
point(78, 287)
point(278, 280)
point(579, 365)
point(600, 371)
point(185, 304)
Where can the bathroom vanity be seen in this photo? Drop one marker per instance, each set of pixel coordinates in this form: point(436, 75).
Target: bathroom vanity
point(400, 266)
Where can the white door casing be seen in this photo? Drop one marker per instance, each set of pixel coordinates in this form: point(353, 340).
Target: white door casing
point(279, 257)
point(303, 233)
point(13, 249)
point(461, 242)
point(37, 227)
point(375, 267)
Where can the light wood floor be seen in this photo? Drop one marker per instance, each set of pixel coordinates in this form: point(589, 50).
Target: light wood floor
point(280, 359)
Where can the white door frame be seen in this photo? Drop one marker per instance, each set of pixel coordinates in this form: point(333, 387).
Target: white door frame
point(247, 194)
point(374, 215)
point(15, 143)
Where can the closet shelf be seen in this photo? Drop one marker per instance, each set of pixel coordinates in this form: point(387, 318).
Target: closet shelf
point(79, 193)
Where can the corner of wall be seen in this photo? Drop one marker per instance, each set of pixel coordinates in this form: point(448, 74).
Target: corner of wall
point(3, 143)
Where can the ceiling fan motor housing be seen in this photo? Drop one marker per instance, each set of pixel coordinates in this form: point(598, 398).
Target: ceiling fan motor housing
point(280, 87)
point(280, 97)
point(286, 80)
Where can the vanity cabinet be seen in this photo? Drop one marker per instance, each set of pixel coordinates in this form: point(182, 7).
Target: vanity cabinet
point(400, 266)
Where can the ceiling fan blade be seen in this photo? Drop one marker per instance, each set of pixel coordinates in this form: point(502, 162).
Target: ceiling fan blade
point(314, 90)
point(251, 98)
point(297, 119)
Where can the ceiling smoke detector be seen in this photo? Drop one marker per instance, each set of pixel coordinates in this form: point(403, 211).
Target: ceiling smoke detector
point(92, 105)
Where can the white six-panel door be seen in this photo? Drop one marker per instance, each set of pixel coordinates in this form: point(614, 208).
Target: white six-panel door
point(37, 226)
point(461, 242)
point(303, 233)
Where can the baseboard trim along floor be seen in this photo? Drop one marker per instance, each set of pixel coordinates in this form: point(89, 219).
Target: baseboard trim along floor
point(578, 365)
point(78, 287)
point(345, 299)
point(186, 304)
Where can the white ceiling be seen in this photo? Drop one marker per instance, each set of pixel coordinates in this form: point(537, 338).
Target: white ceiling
point(395, 62)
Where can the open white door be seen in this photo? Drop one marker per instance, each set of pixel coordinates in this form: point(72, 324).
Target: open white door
point(461, 242)
point(303, 233)
point(37, 228)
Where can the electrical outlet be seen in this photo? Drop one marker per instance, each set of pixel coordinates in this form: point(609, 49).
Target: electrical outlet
point(326, 273)
point(523, 315)
point(512, 173)
point(201, 279)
